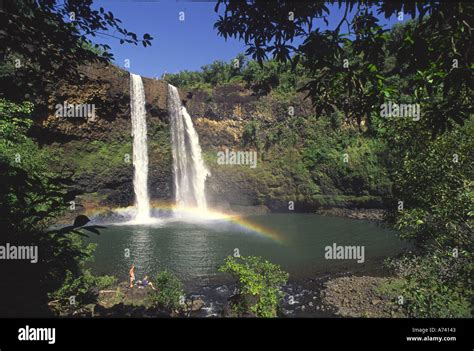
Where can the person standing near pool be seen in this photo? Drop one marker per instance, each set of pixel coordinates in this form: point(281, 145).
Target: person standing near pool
point(132, 276)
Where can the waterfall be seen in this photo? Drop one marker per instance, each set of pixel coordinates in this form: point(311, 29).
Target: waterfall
point(140, 149)
point(189, 170)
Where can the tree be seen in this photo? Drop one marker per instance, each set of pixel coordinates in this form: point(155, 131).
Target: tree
point(168, 291)
point(440, 35)
point(259, 285)
point(42, 41)
point(31, 197)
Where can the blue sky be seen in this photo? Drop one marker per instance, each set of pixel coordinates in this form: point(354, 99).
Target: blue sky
point(177, 45)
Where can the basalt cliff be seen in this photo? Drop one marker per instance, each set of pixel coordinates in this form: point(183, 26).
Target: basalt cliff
point(299, 160)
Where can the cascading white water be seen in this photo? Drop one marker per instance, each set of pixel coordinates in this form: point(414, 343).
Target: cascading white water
point(140, 149)
point(189, 170)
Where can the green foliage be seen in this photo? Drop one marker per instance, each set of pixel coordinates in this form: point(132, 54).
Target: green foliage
point(249, 135)
point(84, 288)
point(216, 73)
point(98, 157)
point(51, 46)
point(258, 283)
point(262, 79)
point(424, 57)
point(185, 79)
point(220, 72)
point(30, 194)
point(169, 291)
point(436, 285)
point(434, 180)
point(31, 197)
point(15, 121)
point(309, 152)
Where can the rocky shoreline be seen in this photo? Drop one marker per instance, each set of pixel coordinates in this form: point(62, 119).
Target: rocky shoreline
point(355, 296)
point(335, 295)
point(369, 214)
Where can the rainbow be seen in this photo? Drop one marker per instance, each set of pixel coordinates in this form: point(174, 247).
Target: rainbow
point(236, 219)
point(239, 220)
point(258, 228)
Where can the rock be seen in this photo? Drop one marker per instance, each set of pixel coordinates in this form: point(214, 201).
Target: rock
point(197, 305)
point(222, 289)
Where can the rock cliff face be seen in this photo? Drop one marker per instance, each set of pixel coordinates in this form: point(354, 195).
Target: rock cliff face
point(221, 117)
point(97, 151)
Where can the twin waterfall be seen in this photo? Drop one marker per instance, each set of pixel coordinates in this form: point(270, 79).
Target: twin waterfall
point(189, 170)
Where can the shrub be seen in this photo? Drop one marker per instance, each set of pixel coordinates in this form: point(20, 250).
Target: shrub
point(249, 135)
point(437, 213)
point(436, 285)
point(169, 291)
point(32, 196)
point(84, 288)
point(258, 285)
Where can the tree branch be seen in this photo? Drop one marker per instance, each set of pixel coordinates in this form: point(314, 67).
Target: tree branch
point(343, 18)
